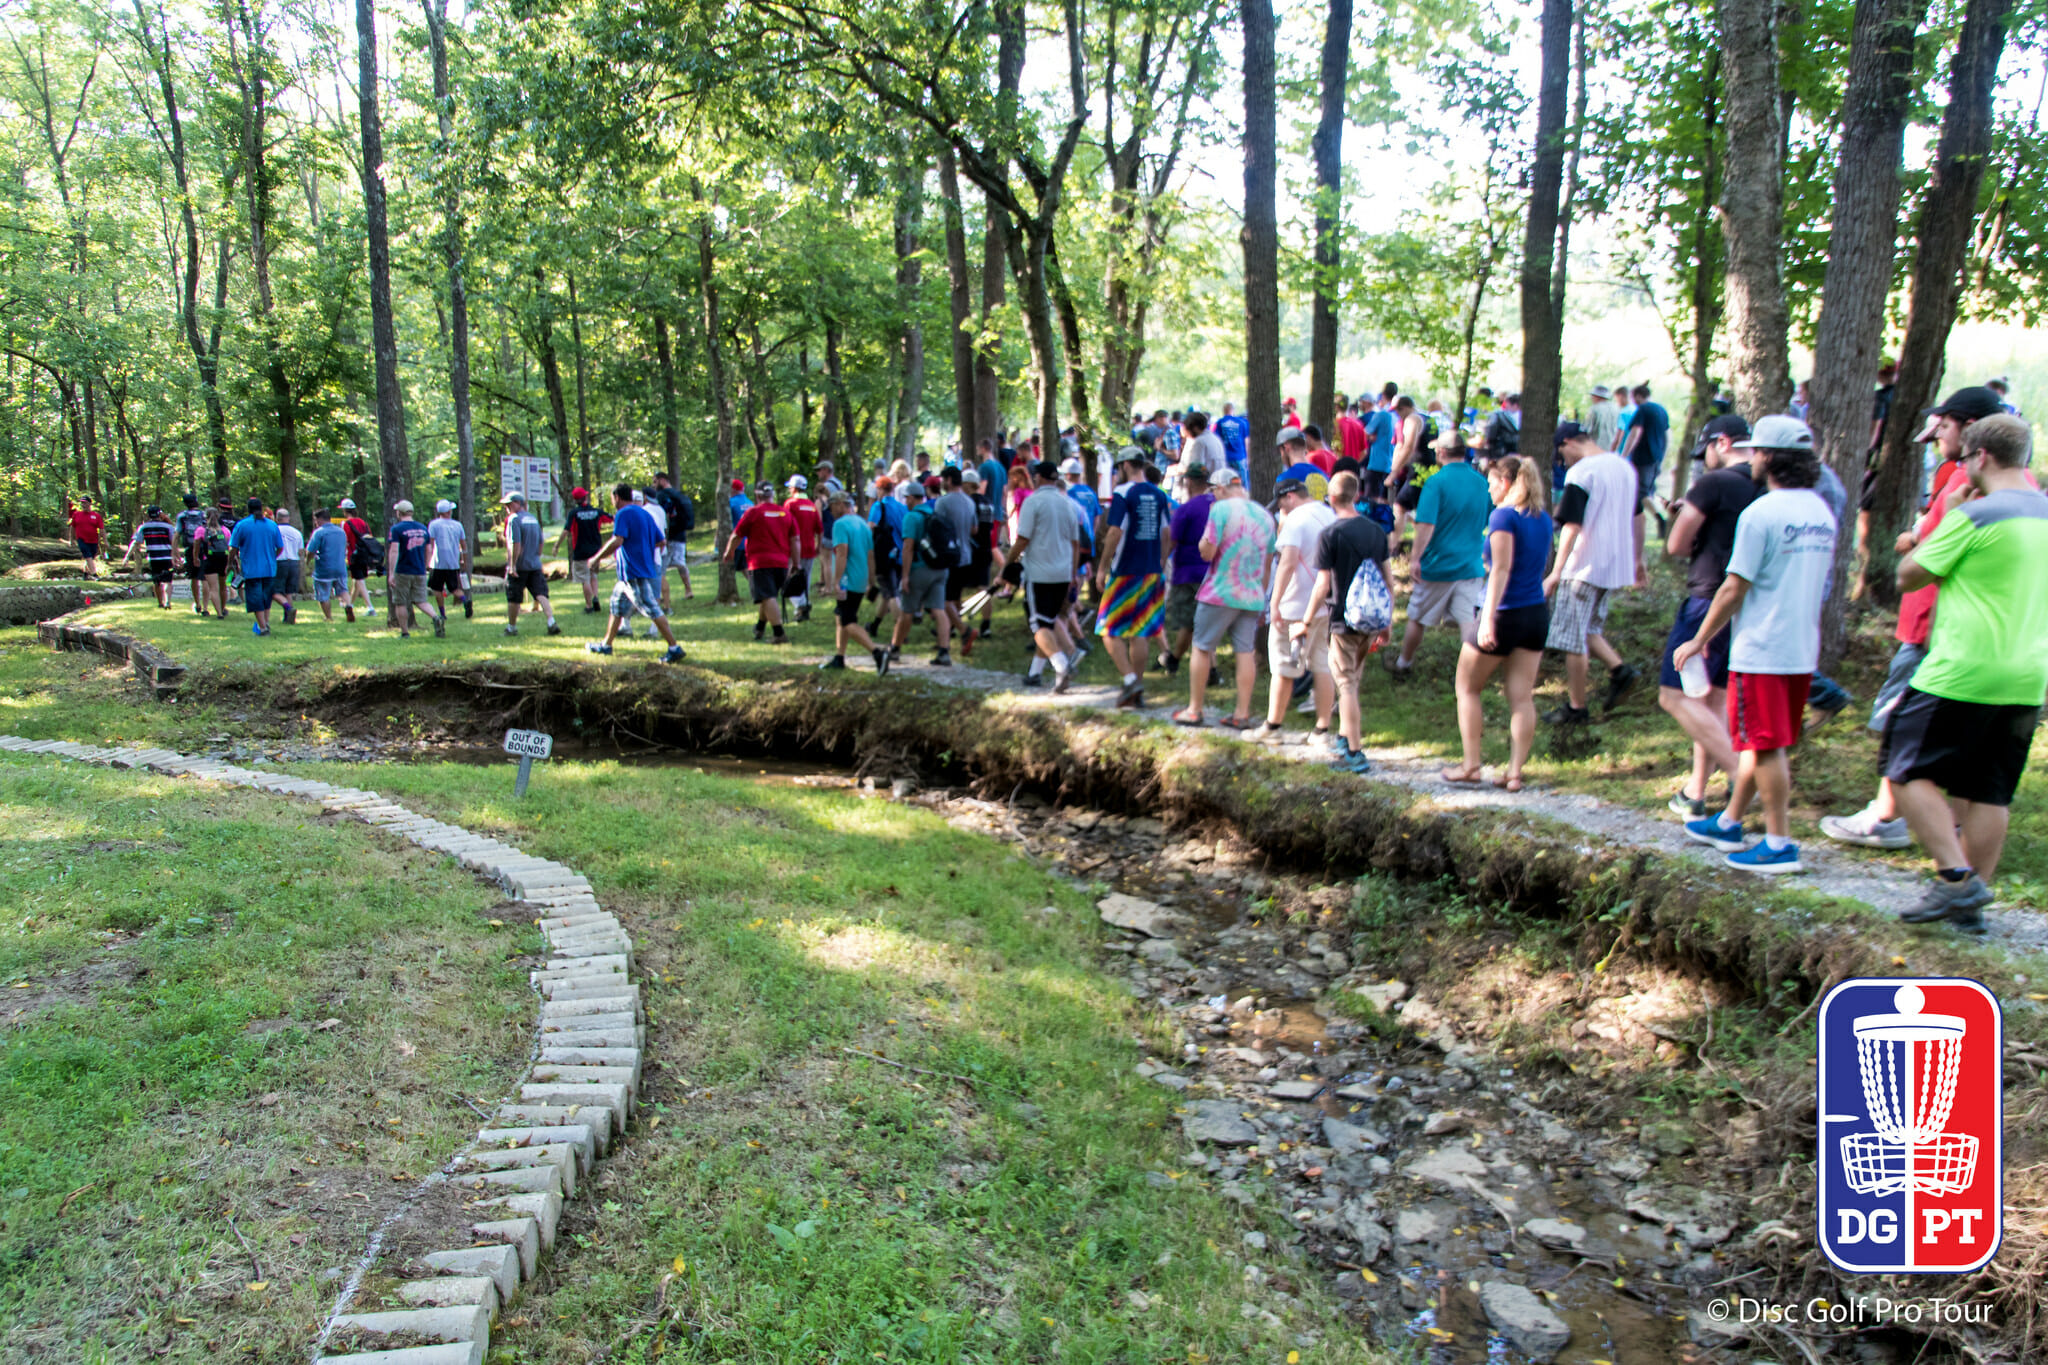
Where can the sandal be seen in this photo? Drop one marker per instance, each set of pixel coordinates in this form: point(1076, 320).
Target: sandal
point(1460, 777)
point(1189, 718)
point(1236, 722)
point(1507, 783)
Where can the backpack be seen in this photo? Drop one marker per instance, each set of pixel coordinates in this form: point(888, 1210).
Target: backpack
point(684, 515)
point(885, 535)
point(937, 546)
point(371, 550)
point(1368, 604)
point(1426, 443)
point(1502, 436)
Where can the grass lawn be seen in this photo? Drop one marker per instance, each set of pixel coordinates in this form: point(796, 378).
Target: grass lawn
point(784, 1200)
point(226, 1027)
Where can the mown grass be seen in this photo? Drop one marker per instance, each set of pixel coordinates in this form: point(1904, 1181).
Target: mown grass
point(222, 1020)
point(803, 1203)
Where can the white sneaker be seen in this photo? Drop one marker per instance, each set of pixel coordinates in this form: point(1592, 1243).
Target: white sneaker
point(1865, 830)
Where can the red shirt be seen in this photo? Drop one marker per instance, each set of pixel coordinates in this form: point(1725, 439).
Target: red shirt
point(1916, 608)
point(767, 529)
point(1323, 460)
point(809, 525)
point(1351, 437)
point(355, 528)
point(86, 525)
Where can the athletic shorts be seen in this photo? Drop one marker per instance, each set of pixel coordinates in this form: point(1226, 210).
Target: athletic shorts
point(1372, 485)
point(965, 581)
point(766, 584)
point(581, 573)
point(1348, 652)
point(1905, 663)
point(1516, 628)
point(927, 590)
point(195, 569)
point(1974, 751)
point(1044, 603)
point(637, 594)
point(287, 579)
point(1579, 613)
point(1133, 608)
point(1214, 621)
point(216, 566)
point(520, 582)
point(88, 549)
point(1766, 710)
point(847, 609)
point(1684, 626)
point(1646, 481)
point(1456, 602)
point(161, 571)
point(1314, 652)
point(407, 589)
point(327, 589)
point(675, 556)
point(1180, 606)
point(358, 568)
point(256, 594)
point(444, 580)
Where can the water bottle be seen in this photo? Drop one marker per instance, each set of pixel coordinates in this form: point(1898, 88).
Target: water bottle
point(1693, 675)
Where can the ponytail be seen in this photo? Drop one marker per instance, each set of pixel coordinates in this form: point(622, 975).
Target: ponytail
point(1525, 479)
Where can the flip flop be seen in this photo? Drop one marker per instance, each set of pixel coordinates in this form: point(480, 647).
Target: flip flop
point(1183, 718)
point(1459, 777)
point(1233, 723)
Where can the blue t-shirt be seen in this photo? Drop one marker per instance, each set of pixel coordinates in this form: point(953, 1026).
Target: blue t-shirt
point(329, 547)
point(888, 513)
point(1234, 430)
point(739, 502)
point(1091, 507)
point(1455, 502)
point(256, 540)
point(1532, 532)
point(994, 478)
point(859, 541)
point(637, 535)
point(1143, 511)
point(1655, 424)
point(411, 539)
point(1379, 435)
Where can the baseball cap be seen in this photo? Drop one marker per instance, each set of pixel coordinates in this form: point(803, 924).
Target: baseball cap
point(1970, 404)
point(1734, 427)
point(402, 507)
point(1227, 476)
point(1070, 465)
point(884, 484)
point(640, 496)
point(579, 494)
point(912, 489)
point(1286, 486)
point(1129, 453)
point(1287, 434)
point(739, 485)
point(970, 475)
point(1779, 433)
point(444, 506)
point(1568, 431)
point(1196, 473)
point(510, 500)
point(799, 482)
point(256, 504)
point(1046, 469)
point(191, 500)
point(154, 510)
point(348, 504)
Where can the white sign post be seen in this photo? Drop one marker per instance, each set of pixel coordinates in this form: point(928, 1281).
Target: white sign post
point(511, 476)
point(528, 745)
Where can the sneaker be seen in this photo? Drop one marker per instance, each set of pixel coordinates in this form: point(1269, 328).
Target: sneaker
point(1335, 739)
point(1170, 664)
point(1820, 712)
point(1764, 858)
point(591, 608)
point(760, 631)
point(468, 607)
point(674, 655)
point(881, 662)
point(1961, 903)
point(1568, 715)
point(511, 630)
point(803, 613)
point(1714, 834)
point(942, 659)
point(1062, 678)
point(780, 639)
point(1865, 830)
point(1133, 694)
point(554, 628)
point(836, 662)
point(1308, 705)
point(1034, 679)
point(1352, 761)
point(405, 635)
point(1619, 681)
point(1392, 663)
point(1686, 807)
point(348, 611)
point(598, 647)
point(255, 629)
point(1267, 731)
point(291, 614)
point(440, 627)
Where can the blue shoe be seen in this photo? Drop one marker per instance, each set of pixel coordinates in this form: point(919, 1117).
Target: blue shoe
point(1352, 761)
point(1763, 858)
point(598, 647)
point(255, 629)
point(674, 655)
point(1714, 834)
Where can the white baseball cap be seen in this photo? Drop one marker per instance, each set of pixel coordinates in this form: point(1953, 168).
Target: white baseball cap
point(348, 504)
point(403, 507)
point(1070, 465)
point(444, 506)
point(799, 482)
point(1778, 433)
point(639, 495)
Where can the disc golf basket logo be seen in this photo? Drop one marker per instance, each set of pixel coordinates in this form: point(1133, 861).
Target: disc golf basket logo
point(1911, 1121)
point(1910, 1104)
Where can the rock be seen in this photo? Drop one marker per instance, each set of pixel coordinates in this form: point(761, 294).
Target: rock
point(1626, 1166)
point(1416, 1225)
point(1336, 963)
point(1349, 1139)
point(1146, 917)
point(1163, 952)
point(1529, 1326)
point(1255, 1240)
point(1138, 1301)
point(1670, 1138)
point(1444, 1122)
point(1249, 1054)
point(1217, 1121)
point(1699, 1217)
point(1385, 995)
point(1556, 1233)
point(1350, 1285)
point(1370, 1234)
point(1295, 1090)
point(1172, 1080)
point(1450, 1167)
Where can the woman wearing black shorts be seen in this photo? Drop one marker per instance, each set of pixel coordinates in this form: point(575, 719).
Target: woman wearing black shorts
point(1513, 620)
point(210, 552)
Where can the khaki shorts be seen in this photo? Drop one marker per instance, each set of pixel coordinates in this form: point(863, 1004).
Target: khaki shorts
point(581, 572)
point(1180, 606)
point(1454, 603)
point(1315, 649)
point(1348, 653)
point(407, 590)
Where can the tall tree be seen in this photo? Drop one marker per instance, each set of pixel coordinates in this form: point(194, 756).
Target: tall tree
point(1542, 321)
point(1327, 145)
point(721, 392)
point(909, 283)
point(458, 292)
point(1862, 249)
point(259, 178)
point(960, 303)
point(1753, 209)
point(394, 465)
point(1261, 242)
point(1948, 217)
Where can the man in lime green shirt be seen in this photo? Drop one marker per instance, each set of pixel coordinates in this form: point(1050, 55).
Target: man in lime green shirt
point(1956, 744)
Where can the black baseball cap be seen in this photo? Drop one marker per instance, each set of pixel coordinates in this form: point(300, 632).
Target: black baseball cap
point(1046, 469)
point(1734, 427)
point(1286, 486)
point(1970, 404)
point(191, 500)
point(1567, 431)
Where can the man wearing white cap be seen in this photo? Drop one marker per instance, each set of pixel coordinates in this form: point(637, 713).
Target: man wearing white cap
point(444, 564)
point(357, 531)
point(1603, 419)
point(810, 529)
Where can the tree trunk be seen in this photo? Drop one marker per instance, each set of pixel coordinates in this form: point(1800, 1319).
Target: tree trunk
point(458, 293)
point(767, 390)
point(1862, 246)
point(960, 297)
point(721, 401)
point(995, 264)
point(1028, 264)
point(1707, 251)
point(258, 180)
point(828, 426)
point(582, 386)
point(1560, 273)
point(209, 369)
point(393, 463)
point(89, 421)
point(1753, 210)
point(551, 371)
point(1077, 379)
point(1327, 148)
point(1542, 323)
point(1260, 239)
point(1947, 219)
point(909, 282)
point(671, 434)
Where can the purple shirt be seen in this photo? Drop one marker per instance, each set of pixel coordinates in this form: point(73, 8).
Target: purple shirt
point(1189, 520)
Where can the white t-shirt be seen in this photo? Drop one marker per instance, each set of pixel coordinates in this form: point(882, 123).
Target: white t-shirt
point(1605, 553)
point(1051, 521)
point(660, 517)
point(1785, 547)
point(1205, 450)
point(1303, 529)
point(446, 534)
point(294, 543)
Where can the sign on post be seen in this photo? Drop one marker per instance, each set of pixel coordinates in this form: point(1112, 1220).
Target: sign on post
point(540, 484)
point(511, 476)
point(528, 745)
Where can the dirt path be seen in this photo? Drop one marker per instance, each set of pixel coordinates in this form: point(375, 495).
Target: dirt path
point(1831, 870)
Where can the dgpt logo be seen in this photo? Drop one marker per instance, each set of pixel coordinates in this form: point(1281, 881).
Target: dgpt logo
point(1911, 1121)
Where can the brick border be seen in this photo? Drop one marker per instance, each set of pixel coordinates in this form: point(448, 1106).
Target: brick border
point(573, 1101)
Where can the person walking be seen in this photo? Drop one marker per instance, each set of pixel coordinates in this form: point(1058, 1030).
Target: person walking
point(956, 506)
point(809, 528)
point(634, 548)
point(1956, 744)
point(1190, 519)
point(928, 562)
point(1775, 585)
point(1044, 561)
point(1603, 419)
point(405, 570)
point(583, 535)
point(1649, 432)
point(1703, 534)
point(1237, 543)
point(253, 546)
point(191, 520)
point(1450, 538)
point(849, 568)
point(679, 518)
point(360, 558)
point(87, 527)
point(327, 551)
point(444, 563)
point(289, 581)
point(525, 575)
point(1513, 620)
point(157, 539)
point(210, 552)
point(1597, 556)
point(1137, 541)
point(1351, 545)
point(1298, 642)
point(769, 533)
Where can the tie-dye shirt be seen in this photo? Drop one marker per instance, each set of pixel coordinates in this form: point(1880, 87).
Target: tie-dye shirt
point(1244, 536)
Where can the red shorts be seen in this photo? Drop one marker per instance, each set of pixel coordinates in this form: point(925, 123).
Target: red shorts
point(1766, 710)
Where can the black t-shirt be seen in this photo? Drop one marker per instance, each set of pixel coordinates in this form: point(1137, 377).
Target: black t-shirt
point(671, 508)
point(1655, 425)
point(1345, 545)
point(586, 531)
point(1720, 497)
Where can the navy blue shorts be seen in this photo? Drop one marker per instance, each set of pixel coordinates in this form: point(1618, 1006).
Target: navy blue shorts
point(1691, 612)
point(256, 593)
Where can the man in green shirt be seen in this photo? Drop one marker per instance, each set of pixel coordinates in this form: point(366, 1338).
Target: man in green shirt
point(1957, 742)
point(1450, 530)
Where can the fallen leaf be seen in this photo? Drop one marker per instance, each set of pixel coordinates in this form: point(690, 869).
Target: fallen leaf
point(495, 923)
point(297, 1239)
point(185, 1322)
point(268, 1099)
point(257, 1286)
point(326, 1024)
point(679, 1265)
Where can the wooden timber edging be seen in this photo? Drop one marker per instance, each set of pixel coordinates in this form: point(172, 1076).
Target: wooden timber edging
point(157, 670)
